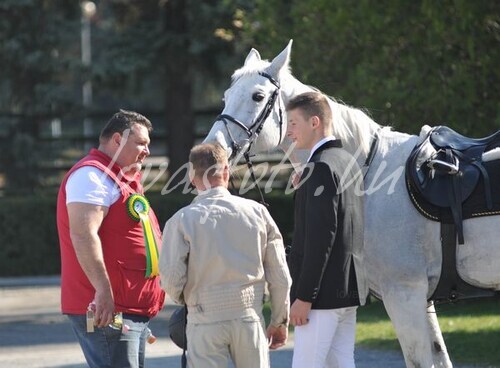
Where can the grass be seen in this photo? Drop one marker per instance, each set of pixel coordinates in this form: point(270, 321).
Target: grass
point(471, 330)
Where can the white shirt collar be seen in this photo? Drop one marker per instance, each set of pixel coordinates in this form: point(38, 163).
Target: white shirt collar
point(319, 144)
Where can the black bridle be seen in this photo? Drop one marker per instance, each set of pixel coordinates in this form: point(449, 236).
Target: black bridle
point(254, 129)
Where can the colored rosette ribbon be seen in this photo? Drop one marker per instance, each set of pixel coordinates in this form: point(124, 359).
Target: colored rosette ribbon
point(138, 209)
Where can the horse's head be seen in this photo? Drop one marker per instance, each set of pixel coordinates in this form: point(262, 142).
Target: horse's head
point(254, 107)
point(254, 117)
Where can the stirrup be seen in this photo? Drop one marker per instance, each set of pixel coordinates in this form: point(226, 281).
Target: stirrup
point(443, 166)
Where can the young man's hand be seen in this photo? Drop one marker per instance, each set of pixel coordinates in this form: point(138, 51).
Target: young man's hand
point(277, 336)
point(299, 312)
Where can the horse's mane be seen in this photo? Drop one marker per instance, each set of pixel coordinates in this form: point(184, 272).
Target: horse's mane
point(353, 125)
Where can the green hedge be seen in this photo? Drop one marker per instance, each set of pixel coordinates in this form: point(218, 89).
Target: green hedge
point(29, 244)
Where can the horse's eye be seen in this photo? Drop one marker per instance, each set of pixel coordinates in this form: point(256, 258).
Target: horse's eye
point(258, 96)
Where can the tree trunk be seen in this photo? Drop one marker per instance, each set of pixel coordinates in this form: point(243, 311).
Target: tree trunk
point(178, 106)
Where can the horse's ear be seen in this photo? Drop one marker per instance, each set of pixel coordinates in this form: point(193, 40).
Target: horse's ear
point(281, 61)
point(252, 57)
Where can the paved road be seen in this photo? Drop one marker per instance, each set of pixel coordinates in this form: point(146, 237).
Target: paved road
point(34, 334)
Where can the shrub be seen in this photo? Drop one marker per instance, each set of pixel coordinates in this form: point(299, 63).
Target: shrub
point(29, 241)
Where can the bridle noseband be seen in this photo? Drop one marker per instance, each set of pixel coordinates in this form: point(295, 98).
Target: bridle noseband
point(254, 130)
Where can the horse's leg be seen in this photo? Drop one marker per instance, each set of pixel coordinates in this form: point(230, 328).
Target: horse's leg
point(439, 353)
point(406, 305)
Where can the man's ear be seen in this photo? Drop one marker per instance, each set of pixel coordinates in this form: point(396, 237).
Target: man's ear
point(191, 173)
point(315, 122)
point(225, 172)
point(116, 138)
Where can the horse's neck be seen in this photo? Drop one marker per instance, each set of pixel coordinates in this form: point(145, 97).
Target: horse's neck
point(355, 128)
point(389, 160)
point(293, 87)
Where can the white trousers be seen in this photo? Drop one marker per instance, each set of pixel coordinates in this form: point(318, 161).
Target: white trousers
point(327, 341)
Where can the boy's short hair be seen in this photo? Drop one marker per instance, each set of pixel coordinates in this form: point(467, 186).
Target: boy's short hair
point(312, 104)
point(207, 159)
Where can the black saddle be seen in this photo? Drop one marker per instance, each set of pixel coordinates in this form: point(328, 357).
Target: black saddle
point(445, 169)
point(444, 137)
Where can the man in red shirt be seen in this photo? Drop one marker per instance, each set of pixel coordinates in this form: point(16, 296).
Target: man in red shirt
point(109, 240)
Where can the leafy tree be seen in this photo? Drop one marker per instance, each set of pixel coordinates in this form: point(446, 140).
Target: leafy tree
point(151, 54)
point(407, 63)
point(186, 45)
point(36, 66)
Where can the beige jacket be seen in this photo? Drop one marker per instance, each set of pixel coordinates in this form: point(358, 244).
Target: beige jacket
point(218, 253)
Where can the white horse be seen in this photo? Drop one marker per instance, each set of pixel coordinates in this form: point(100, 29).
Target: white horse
point(402, 248)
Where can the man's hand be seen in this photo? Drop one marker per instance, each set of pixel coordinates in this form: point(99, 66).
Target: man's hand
point(299, 312)
point(104, 308)
point(277, 336)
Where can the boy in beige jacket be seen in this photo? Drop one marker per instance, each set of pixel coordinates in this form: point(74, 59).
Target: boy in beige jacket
point(217, 255)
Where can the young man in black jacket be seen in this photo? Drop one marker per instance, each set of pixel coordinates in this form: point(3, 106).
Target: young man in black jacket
point(326, 256)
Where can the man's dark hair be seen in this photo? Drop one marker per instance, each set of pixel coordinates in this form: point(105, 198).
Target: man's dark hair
point(122, 121)
point(312, 104)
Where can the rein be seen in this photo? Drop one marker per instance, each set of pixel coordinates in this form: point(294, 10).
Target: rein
point(252, 174)
point(254, 130)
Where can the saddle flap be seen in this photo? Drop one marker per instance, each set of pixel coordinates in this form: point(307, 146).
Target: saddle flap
point(437, 189)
